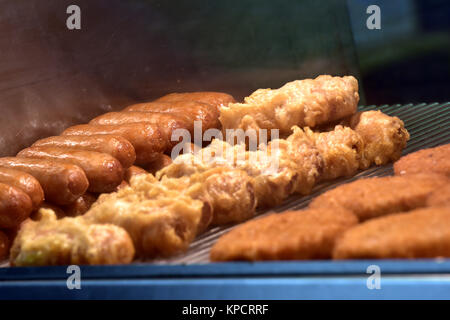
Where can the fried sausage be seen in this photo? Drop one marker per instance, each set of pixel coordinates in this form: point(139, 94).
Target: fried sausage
point(160, 162)
point(15, 206)
point(80, 206)
point(4, 246)
point(116, 146)
point(104, 172)
point(166, 122)
point(193, 110)
point(133, 171)
point(62, 183)
point(215, 98)
point(25, 182)
point(146, 138)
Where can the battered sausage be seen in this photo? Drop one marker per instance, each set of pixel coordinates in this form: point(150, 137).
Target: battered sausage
point(104, 172)
point(62, 183)
point(116, 146)
point(193, 110)
point(146, 138)
point(215, 98)
point(25, 182)
point(15, 206)
point(4, 246)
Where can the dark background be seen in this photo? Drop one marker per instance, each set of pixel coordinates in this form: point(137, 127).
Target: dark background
point(52, 77)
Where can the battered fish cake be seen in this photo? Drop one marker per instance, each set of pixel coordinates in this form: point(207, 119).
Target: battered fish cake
point(427, 160)
point(374, 197)
point(421, 233)
point(294, 235)
point(69, 241)
point(440, 197)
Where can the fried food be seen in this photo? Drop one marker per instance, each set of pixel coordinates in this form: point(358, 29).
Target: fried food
point(116, 146)
point(4, 246)
point(421, 233)
point(216, 99)
point(384, 137)
point(341, 149)
point(167, 123)
point(293, 235)
point(427, 160)
point(133, 171)
point(309, 102)
point(286, 166)
point(158, 163)
point(25, 182)
point(374, 197)
point(440, 197)
point(103, 172)
point(62, 183)
point(161, 221)
point(206, 113)
point(230, 192)
point(69, 241)
point(15, 206)
point(80, 206)
point(147, 139)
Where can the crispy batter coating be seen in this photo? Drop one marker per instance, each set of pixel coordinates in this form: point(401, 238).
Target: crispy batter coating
point(161, 221)
point(293, 235)
point(384, 137)
point(374, 197)
point(287, 166)
point(440, 197)
point(230, 192)
point(427, 160)
point(342, 151)
point(69, 241)
point(308, 102)
point(421, 233)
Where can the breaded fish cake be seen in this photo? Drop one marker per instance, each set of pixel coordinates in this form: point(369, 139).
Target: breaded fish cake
point(293, 235)
point(374, 197)
point(427, 160)
point(440, 197)
point(421, 233)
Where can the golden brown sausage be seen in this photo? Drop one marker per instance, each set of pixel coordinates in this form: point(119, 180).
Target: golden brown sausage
point(146, 138)
point(215, 98)
point(116, 146)
point(166, 122)
point(133, 171)
point(160, 162)
point(104, 172)
point(193, 110)
point(62, 183)
point(15, 206)
point(25, 182)
point(80, 206)
point(4, 246)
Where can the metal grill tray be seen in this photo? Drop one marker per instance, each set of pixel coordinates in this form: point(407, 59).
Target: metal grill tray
point(191, 276)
